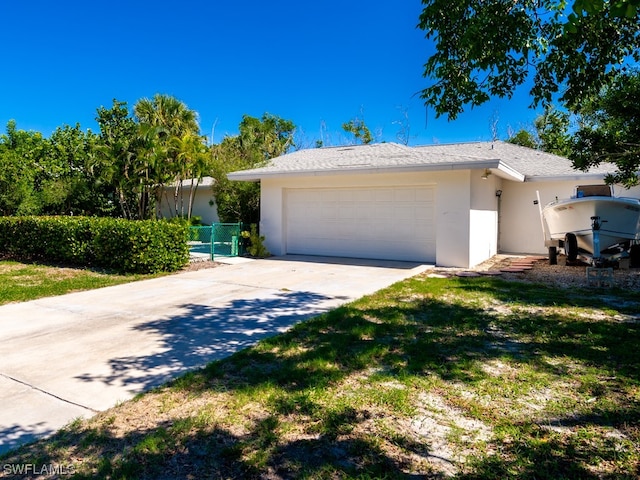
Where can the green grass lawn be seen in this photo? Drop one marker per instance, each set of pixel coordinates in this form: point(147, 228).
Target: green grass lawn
point(20, 282)
point(466, 378)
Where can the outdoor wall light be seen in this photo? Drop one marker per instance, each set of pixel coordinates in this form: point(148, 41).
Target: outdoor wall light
point(498, 193)
point(486, 174)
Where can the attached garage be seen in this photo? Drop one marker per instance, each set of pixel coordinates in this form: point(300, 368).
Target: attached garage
point(392, 223)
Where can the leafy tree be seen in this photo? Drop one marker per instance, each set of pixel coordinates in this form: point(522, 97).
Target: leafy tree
point(73, 185)
point(50, 176)
point(265, 138)
point(359, 129)
point(140, 155)
point(173, 150)
point(551, 133)
point(22, 170)
point(258, 141)
point(524, 138)
point(486, 48)
point(236, 201)
point(116, 156)
point(610, 130)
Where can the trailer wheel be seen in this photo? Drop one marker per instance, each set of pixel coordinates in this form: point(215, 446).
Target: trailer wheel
point(571, 247)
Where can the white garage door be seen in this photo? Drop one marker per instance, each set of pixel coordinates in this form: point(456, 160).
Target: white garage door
point(394, 223)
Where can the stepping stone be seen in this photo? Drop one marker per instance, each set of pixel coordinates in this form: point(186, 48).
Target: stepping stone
point(490, 272)
point(513, 270)
point(467, 274)
point(437, 275)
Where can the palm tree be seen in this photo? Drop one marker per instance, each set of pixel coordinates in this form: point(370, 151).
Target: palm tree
point(168, 113)
point(193, 158)
point(170, 130)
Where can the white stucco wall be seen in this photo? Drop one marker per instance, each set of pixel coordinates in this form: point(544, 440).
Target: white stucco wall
point(483, 217)
point(466, 207)
point(201, 206)
point(452, 219)
point(520, 227)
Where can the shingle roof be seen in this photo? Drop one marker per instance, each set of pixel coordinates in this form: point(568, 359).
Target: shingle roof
point(512, 161)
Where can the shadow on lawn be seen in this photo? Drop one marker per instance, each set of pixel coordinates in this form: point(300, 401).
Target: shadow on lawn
point(415, 336)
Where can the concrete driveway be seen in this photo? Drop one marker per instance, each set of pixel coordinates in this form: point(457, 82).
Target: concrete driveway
point(74, 355)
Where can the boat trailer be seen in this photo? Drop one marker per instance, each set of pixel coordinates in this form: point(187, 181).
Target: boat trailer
point(572, 253)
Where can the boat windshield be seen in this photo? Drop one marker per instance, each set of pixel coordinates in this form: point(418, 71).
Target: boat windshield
point(593, 191)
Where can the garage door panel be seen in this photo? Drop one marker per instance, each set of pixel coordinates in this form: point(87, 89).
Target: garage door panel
point(404, 195)
point(424, 216)
point(363, 195)
point(386, 223)
point(383, 195)
point(425, 195)
point(403, 214)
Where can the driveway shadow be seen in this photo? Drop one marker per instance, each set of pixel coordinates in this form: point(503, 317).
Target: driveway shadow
point(361, 262)
point(12, 436)
point(205, 333)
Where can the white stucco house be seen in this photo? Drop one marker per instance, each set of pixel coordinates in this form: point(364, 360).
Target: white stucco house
point(452, 205)
point(203, 200)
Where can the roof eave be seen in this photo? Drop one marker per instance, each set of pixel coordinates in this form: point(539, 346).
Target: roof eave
point(244, 178)
point(510, 173)
point(578, 176)
point(439, 167)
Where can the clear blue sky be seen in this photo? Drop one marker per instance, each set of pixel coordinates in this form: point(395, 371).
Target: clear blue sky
point(315, 63)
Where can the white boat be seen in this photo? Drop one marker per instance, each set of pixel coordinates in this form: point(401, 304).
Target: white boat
point(593, 221)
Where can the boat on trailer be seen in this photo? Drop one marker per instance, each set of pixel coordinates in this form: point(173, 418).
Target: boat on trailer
point(593, 223)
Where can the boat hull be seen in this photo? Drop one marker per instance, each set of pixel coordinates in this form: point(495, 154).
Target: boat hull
point(620, 219)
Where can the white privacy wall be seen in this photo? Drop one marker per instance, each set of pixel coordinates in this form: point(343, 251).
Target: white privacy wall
point(483, 217)
point(520, 224)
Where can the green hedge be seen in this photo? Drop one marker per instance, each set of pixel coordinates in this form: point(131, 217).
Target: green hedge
point(146, 246)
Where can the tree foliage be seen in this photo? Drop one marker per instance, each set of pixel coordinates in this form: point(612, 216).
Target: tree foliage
point(140, 159)
point(173, 151)
point(49, 176)
point(72, 184)
point(20, 154)
point(117, 156)
point(486, 48)
point(610, 130)
point(143, 155)
point(551, 133)
point(258, 141)
point(524, 138)
point(359, 130)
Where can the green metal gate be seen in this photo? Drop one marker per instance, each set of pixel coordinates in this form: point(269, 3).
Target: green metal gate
point(221, 239)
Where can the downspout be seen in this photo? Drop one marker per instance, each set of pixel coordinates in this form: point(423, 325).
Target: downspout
point(499, 195)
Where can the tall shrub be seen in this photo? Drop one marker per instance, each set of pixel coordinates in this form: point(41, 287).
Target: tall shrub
point(147, 246)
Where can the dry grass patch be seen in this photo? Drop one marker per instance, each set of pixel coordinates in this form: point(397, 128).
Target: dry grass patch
point(20, 282)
